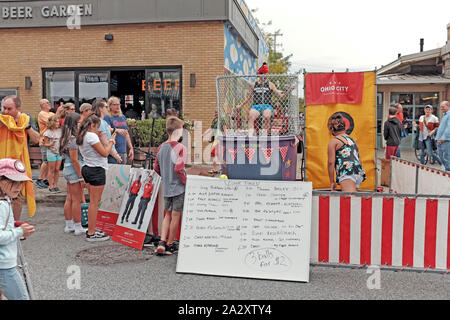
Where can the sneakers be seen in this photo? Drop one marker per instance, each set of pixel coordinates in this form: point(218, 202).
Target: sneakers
point(97, 236)
point(172, 249)
point(69, 229)
point(151, 240)
point(41, 184)
point(80, 231)
point(161, 250)
point(164, 249)
point(54, 190)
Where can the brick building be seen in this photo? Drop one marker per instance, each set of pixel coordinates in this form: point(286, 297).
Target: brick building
point(166, 53)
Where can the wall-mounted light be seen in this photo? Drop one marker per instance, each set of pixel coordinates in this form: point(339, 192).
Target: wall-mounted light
point(109, 37)
point(28, 83)
point(193, 80)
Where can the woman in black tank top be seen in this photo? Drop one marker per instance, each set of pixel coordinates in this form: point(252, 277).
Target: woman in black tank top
point(343, 158)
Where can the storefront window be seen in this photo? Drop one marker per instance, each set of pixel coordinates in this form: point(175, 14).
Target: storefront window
point(163, 92)
point(92, 85)
point(59, 87)
point(413, 107)
point(7, 92)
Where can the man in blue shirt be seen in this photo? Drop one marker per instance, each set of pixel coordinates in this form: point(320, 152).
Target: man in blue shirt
point(443, 135)
point(119, 122)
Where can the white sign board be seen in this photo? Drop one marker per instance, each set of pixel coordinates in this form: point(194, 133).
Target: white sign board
point(246, 228)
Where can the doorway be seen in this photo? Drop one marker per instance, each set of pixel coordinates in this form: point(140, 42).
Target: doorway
point(127, 86)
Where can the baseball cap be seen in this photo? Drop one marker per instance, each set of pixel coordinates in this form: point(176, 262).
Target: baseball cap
point(429, 106)
point(264, 69)
point(13, 169)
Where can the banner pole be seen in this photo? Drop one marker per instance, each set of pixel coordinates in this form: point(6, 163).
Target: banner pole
point(376, 132)
point(304, 131)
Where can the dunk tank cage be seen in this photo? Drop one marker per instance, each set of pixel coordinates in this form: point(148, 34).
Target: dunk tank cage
point(258, 123)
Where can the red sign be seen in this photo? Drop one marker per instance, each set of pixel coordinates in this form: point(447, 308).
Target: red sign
point(106, 222)
point(332, 88)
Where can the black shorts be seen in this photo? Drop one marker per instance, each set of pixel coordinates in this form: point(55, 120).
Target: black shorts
point(174, 203)
point(95, 176)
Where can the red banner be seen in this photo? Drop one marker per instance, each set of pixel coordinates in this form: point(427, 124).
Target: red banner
point(333, 88)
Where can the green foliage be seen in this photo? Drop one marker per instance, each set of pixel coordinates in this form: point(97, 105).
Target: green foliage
point(140, 132)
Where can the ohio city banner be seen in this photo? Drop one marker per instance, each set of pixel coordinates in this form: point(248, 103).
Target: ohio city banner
point(352, 94)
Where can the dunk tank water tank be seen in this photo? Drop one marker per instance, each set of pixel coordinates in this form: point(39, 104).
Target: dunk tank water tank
point(258, 123)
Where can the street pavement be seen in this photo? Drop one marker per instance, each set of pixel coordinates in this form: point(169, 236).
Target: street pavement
point(111, 271)
point(66, 267)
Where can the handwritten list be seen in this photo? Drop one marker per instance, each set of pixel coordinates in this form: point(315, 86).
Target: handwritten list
point(246, 228)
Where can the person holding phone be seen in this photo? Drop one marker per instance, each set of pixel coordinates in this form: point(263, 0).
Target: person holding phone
point(118, 122)
point(95, 157)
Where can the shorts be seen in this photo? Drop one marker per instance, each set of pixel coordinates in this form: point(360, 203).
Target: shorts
point(44, 153)
point(70, 175)
point(174, 203)
point(53, 157)
point(95, 176)
point(262, 107)
point(356, 178)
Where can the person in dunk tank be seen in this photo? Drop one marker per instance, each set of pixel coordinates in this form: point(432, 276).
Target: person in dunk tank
point(261, 93)
point(343, 156)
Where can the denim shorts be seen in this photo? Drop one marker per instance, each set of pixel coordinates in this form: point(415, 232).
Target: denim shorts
point(70, 175)
point(356, 178)
point(53, 157)
point(12, 285)
point(174, 203)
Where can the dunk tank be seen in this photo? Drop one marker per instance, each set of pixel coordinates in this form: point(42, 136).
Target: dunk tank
point(258, 123)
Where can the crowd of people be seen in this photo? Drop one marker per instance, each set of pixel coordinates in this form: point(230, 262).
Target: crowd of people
point(86, 142)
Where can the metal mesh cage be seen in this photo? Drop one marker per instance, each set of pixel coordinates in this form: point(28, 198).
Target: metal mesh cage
point(258, 105)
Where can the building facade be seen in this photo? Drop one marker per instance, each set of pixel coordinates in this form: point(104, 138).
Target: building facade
point(150, 53)
point(414, 81)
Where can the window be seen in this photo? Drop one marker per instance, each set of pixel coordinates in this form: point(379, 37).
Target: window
point(7, 92)
point(164, 87)
point(380, 103)
point(92, 85)
point(138, 88)
point(59, 87)
point(413, 107)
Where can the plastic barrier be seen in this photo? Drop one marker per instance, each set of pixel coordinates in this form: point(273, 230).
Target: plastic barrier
point(412, 178)
point(401, 231)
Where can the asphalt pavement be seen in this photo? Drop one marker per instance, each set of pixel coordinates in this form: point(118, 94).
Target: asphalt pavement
point(66, 267)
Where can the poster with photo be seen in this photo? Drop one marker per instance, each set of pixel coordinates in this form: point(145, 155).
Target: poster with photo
point(117, 177)
point(137, 207)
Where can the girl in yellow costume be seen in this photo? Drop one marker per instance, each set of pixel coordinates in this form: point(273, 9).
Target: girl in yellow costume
point(13, 144)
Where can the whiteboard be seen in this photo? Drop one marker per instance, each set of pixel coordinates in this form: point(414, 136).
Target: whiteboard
point(246, 228)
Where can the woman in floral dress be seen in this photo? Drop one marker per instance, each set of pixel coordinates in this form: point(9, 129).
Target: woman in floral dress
point(344, 165)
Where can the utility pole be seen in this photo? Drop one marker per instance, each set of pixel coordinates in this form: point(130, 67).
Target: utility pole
point(275, 44)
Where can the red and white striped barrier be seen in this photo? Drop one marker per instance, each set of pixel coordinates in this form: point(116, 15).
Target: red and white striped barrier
point(412, 178)
point(384, 230)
